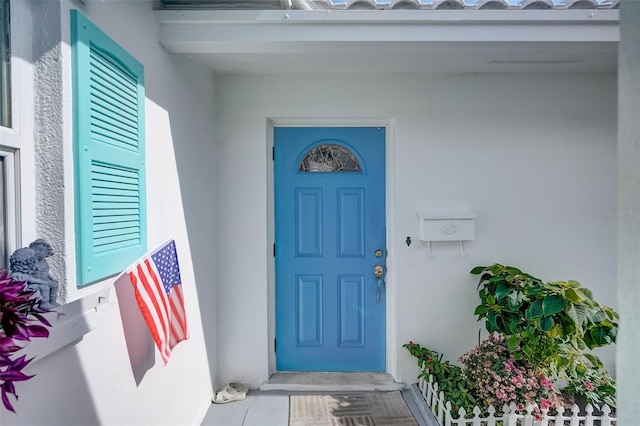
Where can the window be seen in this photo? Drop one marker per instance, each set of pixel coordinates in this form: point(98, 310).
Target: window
point(5, 65)
point(329, 158)
point(108, 112)
point(9, 142)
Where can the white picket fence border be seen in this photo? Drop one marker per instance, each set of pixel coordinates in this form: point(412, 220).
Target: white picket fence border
point(509, 416)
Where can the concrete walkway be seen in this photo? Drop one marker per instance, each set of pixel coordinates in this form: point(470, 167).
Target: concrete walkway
point(271, 408)
point(269, 405)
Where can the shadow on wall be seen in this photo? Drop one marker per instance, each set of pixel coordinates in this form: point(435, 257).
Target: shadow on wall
point(58, 387)
point(140, 345)
point(194, 146)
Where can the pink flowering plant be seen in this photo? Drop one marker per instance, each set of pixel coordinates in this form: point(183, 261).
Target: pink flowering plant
point(21, 320)
point(498, 379)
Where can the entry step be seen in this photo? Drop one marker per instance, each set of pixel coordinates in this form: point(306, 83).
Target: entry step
point(331, 382)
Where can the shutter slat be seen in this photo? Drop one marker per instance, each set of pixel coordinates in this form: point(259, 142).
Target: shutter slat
point(113, 103)
point(105, 249)
point(105, 139)
point(108, 173)
point(116, 133)
point(104, 112)
point(101, 94)
point(100, 227)
point(112, 200)
point(124, 218)
point(117, 189)
point(111, 73)
point(115, 235)
point(108, 246)
point(104, 215)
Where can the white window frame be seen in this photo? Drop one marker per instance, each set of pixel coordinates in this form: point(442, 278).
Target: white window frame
point(16, 142)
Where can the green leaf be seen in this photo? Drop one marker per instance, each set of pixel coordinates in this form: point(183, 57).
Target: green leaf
point(613, 332)
point(492, 321)
point(534, 311)
point(546, 323)
point(552, 305)
point(573, 283)
point(502, 291)
point(573, 296)
point(511, 324)
point(600, 336)
point(512, 270)
point(513, 342)
point(556, 331)
point(587, 293)
point(572, 313)
point(595, 361)
point(481, 310)
point(478, 270)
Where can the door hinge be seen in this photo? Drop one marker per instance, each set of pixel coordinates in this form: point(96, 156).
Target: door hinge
point(273, 153)
point(274, 345)
point(274, 249)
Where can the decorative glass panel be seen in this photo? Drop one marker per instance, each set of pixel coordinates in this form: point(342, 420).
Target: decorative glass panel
point(329, 158)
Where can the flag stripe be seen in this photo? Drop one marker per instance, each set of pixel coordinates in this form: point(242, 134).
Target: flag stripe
point(151, 316)
point(159, 298)
point(158, 291)
point(152, 305)
point(177, 306)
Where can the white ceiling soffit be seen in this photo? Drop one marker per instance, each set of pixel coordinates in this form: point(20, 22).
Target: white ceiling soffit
point(394, 41)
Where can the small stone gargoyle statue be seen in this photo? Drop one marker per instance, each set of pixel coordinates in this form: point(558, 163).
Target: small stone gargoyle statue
point(29, 264)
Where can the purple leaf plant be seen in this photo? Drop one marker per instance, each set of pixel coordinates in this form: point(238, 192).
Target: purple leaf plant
point(21, 319)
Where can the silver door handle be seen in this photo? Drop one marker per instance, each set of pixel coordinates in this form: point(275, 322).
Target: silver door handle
point(378, 272)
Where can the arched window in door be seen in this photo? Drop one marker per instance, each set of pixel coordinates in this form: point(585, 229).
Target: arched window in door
point(329, 158)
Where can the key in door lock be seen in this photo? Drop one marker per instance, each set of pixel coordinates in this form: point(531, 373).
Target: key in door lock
point(378, 270)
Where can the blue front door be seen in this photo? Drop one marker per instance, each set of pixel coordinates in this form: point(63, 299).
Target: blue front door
point(329, 236)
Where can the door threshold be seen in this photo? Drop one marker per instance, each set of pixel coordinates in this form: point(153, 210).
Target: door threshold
point(331, 382)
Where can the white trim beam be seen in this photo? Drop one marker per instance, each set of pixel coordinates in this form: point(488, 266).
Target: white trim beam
point(209, 31)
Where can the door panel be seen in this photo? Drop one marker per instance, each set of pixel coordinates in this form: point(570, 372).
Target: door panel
point(329, 221)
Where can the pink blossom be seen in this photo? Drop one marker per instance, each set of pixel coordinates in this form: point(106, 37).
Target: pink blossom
point(587, 385)
point(545, 403)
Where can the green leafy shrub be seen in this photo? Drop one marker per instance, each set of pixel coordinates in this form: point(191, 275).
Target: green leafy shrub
point(551, 325)
point(449, 377)
point(595, 384)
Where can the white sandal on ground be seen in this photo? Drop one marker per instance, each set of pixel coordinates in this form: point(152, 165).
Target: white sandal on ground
point(231, 392)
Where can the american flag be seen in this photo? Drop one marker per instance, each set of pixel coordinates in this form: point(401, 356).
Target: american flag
point(158, 289)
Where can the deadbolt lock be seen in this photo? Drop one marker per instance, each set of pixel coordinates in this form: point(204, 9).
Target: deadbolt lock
point(378, 253)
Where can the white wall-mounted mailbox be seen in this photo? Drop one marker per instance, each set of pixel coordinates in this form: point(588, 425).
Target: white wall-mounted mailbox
point(447, 225)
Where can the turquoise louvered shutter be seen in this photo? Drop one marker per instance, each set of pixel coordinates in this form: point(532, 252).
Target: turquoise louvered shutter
point(108, 111)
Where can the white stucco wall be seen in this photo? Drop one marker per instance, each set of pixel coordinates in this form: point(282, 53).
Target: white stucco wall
point(91, 381)
point(533, 155)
